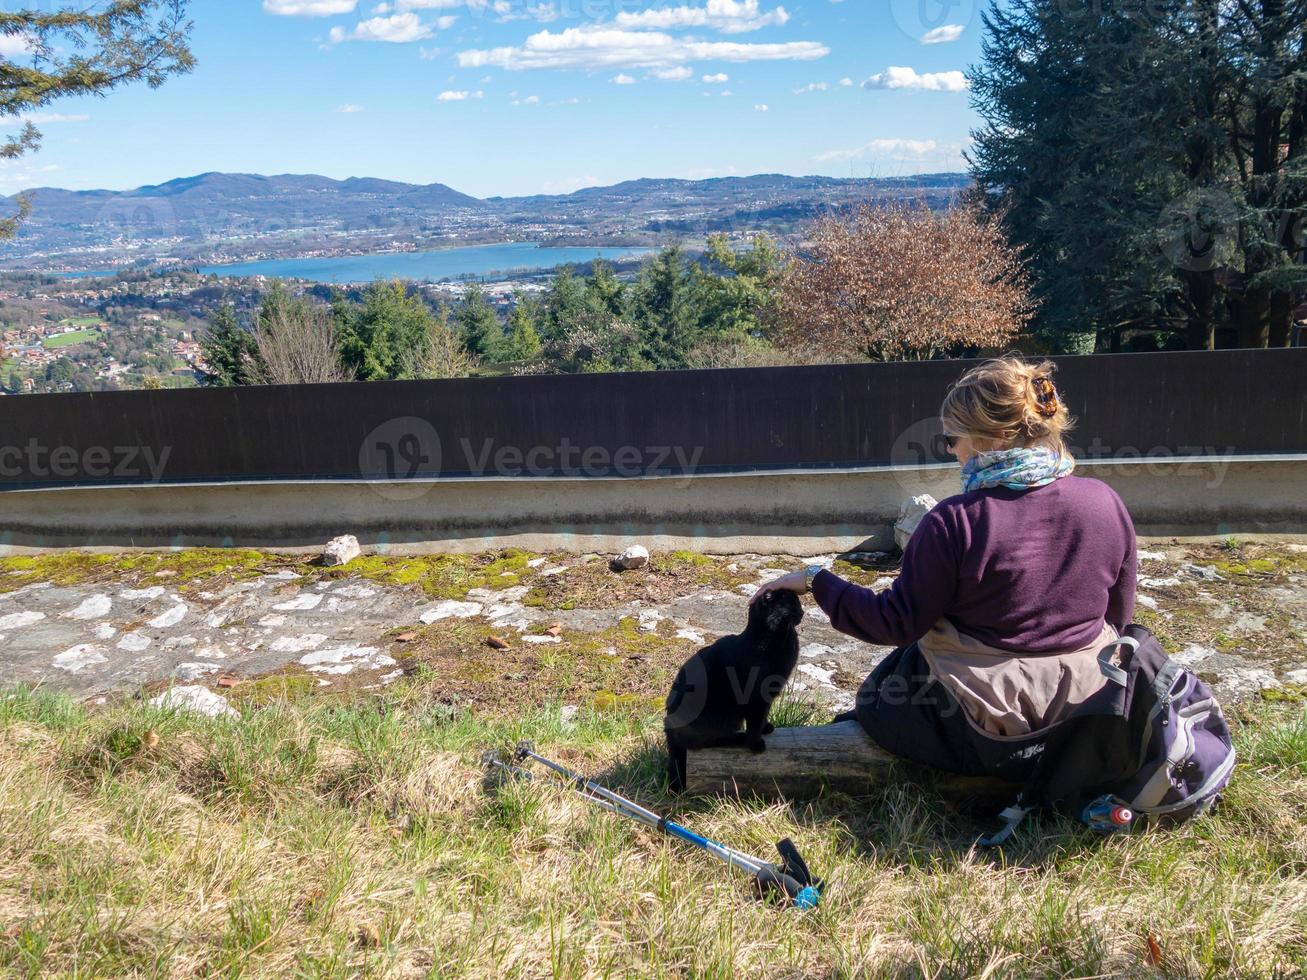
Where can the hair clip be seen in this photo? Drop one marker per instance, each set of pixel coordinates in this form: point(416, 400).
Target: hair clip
point(1045, 395)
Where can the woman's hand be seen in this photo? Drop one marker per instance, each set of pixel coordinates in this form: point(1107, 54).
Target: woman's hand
point(796, 582)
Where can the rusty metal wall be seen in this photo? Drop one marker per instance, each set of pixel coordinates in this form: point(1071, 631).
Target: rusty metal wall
point(1129, 405)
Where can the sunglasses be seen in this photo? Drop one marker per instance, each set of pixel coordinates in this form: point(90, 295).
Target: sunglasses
point(952, 441)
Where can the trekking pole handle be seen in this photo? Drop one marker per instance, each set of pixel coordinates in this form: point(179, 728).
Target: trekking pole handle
point(803, 896)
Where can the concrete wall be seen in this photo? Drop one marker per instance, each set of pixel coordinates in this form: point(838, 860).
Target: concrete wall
point(791, 512)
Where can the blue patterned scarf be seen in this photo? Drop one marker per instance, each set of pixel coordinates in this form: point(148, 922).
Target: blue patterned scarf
point(1016, 469)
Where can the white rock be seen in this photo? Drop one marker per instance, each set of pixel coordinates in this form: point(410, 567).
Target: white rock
point(882, 583)
point(911, 514)
point(77, 658)
point(811, 650)
point(298, 644)
point(1193, 655)
point(1142, 555)
point(285, 575)
point(1204, 572)
point(199, 700)
point(1159, 583)
point(636, 556)
point(170, 618)
point(136, 595)
point(272, 621)
point(818, 674)
point(134, 642)
point(568, 715)
point(173, 642)
point(541, 639)
point(19, 620)
point(1147, 601)
point(303, 601)
point(355, 592)
point(1296, 677)
point(452, 609)
point(693, 636)
point(92, 607)
point(649, 620)
point(551, 572)
point(194, 671)
point(536, 562)
point(344, 660)
point(341, 550)
point(747, 590)
point(393, 676)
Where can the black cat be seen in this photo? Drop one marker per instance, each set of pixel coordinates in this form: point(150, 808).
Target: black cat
point(733, 682)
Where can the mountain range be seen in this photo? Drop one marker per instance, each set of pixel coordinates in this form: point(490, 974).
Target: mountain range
point(198, 214)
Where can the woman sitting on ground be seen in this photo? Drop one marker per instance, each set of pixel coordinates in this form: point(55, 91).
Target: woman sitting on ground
point(1007, 591)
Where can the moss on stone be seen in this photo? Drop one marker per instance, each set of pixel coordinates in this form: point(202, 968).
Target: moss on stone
point(182, 570)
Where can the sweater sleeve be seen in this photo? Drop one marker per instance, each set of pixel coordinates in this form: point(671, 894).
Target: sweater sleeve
point(1121, 597)
point(905, 612)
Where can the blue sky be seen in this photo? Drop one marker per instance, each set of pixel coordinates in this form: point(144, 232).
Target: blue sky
point(506, 97)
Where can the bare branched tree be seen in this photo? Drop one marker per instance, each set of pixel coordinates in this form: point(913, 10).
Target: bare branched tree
point(899, 281)
point(298, 343)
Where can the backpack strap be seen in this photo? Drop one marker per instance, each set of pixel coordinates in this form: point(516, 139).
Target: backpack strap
point(1110, 670)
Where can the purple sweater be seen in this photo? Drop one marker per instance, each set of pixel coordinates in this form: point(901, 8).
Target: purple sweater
point(1030, 571)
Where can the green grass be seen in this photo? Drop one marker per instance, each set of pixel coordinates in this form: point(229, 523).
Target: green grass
point(338, 839)
point(69, 339)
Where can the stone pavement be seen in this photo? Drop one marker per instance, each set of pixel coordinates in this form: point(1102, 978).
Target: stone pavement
point(1234, 614)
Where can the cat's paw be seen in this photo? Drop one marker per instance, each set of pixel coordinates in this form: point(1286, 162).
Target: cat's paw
point(757, 745)
point(768, 728)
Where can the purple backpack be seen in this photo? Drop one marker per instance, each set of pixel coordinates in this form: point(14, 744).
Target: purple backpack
point(1153, 747)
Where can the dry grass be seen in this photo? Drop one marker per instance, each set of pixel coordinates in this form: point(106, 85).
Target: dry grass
point(313, 838)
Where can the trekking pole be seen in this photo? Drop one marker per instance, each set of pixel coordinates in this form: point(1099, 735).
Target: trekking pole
point(792, 878)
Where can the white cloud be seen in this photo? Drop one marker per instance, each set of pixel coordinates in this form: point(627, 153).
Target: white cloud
point(682, 74)
point(846, 82)
point(943, 34)
point(15, 45)
point(601, 47)
point(396, 29)
point(622, 80)
point(459, 96)
point(529, 100)
point(727, 16)
point(763, 107)
point(897, 76)
point(719, 79)
point(309, 8)
point(349, 108)
point(44, 118)
point(812, 87)
point(908, 149)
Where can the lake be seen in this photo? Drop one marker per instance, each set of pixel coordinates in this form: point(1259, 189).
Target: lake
point(490, 261)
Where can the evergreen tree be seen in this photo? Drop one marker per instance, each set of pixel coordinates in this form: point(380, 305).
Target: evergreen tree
point(230, 350)
point(482, 335)
point(385, 337)
point(522, 342)
point(666, 310)
point(564, 305)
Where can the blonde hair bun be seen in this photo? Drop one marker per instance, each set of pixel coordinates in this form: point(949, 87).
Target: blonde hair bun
point(1010, 401)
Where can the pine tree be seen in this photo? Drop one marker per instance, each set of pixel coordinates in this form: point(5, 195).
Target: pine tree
point(482, 336)
point(230, 350)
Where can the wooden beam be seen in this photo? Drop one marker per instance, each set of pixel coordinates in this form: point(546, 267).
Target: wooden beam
point(807, 761)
